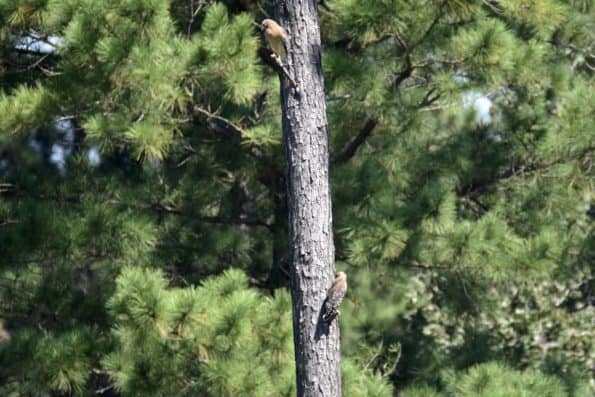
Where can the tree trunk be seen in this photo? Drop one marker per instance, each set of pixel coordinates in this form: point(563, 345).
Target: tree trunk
point(312, 267)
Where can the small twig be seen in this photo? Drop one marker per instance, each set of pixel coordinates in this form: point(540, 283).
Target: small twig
point(460, 276)
point(104, 389)
point(226, 127)
point(39, 61)
point(259, 107)
point(438, 107)
point(374, 356)
point(493, 5)
point(6, 187)
point(426, 266)
point(400, 40)
point(477, 206)
point(48, 72)
point(286, 73)
point(229, 126)
point(453, 62)
point(44, 38)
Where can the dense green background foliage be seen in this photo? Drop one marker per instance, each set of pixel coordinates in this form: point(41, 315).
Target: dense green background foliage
point(142, 209)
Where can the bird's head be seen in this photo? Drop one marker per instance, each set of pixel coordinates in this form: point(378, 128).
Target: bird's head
point(266, 23)
point(340, 275)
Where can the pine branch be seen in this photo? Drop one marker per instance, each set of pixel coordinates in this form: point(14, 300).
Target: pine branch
point(242, 220)
point(44, 38)
point(572, 48)
point(482, 183)
point(258, 109)
point(21, 50)
point(404, 74)
point(194, 11)
point(219, 124)
point(585, 53)
point(410, 65)
point(223, 126)
point(349, 151)
point(157, 206)
point(430, 97)
point(476, 206)
point(104, 389)
point(433, 24)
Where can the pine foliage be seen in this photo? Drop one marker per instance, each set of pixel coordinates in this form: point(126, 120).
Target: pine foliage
point(220, 339)
point(494, 380)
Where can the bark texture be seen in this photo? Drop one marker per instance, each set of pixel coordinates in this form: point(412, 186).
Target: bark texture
point(305, 134)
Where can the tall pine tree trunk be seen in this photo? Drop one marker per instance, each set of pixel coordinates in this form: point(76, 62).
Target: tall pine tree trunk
point(305, 134)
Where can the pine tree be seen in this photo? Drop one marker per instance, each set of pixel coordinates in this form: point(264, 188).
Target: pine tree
point(312, 267)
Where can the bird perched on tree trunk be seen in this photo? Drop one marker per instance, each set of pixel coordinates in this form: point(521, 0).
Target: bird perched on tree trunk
point(276, 37)
point(334, 297)
point(278, 41)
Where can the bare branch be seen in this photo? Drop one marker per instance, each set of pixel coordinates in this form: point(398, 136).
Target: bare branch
point(349, 151)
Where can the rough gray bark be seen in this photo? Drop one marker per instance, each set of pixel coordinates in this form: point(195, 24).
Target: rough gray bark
point(312, 267)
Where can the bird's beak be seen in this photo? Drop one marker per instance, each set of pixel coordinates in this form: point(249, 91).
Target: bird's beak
point(262, 28)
